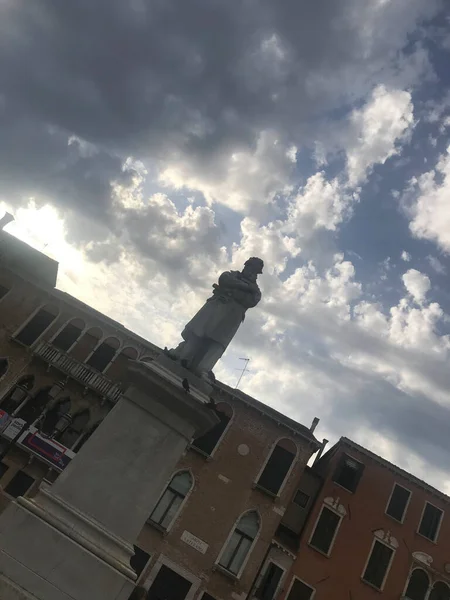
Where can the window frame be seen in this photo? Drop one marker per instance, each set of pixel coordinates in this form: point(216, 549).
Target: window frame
point(193, 447)
point(263, 574)
point(406, 505)
point(180, 508)
point(166, 562)
point(288, 474)
point(388, 569)
point(416, 567)
point(331, 509)
point(101, 341)
point(294, 579)
point(346, 454)
point(217, 564)
point(63, 326)
point(438, 530)
point(25, 323)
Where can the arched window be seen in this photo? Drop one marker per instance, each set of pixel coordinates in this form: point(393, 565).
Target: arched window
point(171, 501)
point(103, 354)
point(36, 326)
point(75, 429)
point(208, 442)
point(69, 334)
point(238, 546)
point(119, 368)
point(31, 410)
point(18, 394)
point(418, 585)
point(53, 416)
point(3, 366)
point(278, 466)
point(440, 591)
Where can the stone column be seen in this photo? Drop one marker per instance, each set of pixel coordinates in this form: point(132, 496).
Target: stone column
point(74, 540)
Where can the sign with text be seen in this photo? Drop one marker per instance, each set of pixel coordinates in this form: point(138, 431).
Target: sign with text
point(194, 541)
point(13, 428)
point(51, 451)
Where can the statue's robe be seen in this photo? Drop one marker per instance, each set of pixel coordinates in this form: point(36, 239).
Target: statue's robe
point(222, 314)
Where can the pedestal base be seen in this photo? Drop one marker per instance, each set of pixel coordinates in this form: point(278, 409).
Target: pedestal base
point(50, 565)
point(74, 541)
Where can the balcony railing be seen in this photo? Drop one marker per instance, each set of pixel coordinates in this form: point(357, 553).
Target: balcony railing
point(82, 373)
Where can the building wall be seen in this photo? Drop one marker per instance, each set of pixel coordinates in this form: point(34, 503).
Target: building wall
point(339, 576)
point(224, 490)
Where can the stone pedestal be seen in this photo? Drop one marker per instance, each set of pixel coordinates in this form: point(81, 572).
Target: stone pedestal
point(74, 540)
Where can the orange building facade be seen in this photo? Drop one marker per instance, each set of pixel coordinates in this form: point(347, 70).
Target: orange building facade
point(365, 529)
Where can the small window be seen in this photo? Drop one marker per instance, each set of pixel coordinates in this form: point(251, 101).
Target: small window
point(300, 591)
point(240, 543)
point(139, 560)
point(418, 585)
point(3, 469)
point(3, 291)
point(18, 394)
point(325, 530)
point(207, 596)
point(67, 337)
point(431, 520)
point(103, 354)
point(19, 484)
point(207, 442)
point(270, 582)
point(170, 502)
point(278, 466)
point(348, 473)
point(378, 565)
point(440, 591)
point(301, 499)
point(37, 325)
point(398, 502)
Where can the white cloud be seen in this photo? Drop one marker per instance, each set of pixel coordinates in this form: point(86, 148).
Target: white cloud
point(406, 256)
point(428, 204)
point(245, 178)
point(377, 130)
point(417, 284)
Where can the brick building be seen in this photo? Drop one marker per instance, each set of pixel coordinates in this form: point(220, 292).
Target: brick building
point(212, 533)
point(361, 527)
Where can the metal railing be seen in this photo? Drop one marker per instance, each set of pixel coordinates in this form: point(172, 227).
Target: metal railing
point(79, 371)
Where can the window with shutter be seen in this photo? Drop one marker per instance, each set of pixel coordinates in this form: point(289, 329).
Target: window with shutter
point(348, 473)
point(431, 521)
point(325, 530)
point(270, 582)
point(398, 502)
point(378, 564)
point(300, 591)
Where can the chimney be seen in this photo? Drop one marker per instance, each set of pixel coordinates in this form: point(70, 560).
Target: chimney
point(7, 218)
point(321, 449)
point(314, 424)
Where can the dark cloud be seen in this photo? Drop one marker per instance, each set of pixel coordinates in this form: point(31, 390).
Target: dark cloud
point(173, 78)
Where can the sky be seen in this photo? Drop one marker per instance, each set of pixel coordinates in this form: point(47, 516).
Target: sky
point(149, 146)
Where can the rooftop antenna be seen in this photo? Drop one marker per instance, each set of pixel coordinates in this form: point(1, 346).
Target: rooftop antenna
point(244, 370)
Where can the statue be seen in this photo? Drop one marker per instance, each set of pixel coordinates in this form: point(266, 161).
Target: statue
point(209, 332)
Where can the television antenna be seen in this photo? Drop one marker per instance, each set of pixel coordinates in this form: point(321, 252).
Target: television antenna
point(244, 370)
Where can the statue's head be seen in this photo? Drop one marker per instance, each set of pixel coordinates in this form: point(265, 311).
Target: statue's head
point(254, 265)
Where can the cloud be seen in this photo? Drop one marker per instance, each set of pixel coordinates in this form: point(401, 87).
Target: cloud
point(436, 265)
point(426, 200)
point(417, 284)
point(377, 130)
point(405, 256)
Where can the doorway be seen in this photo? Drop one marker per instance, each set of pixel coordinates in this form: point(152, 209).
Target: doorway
point(168, 585)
